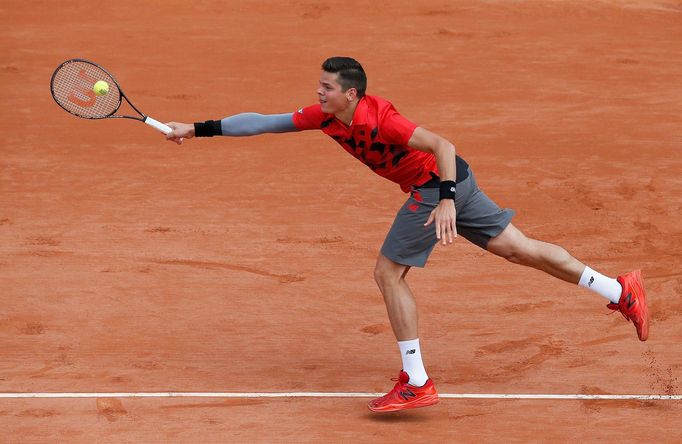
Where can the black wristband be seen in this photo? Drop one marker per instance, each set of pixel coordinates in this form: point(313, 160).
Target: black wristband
point(208, 128)
point(447, 190)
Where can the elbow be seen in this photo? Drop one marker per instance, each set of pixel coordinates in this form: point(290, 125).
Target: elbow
point(445, 148)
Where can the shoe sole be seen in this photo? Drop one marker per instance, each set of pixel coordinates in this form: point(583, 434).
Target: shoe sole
point(425, 401)
point(643, 331)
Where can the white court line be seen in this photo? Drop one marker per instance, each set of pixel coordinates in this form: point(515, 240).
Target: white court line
point(333, 395)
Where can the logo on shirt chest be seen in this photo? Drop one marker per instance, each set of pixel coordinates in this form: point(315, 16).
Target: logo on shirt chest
point(373, 153)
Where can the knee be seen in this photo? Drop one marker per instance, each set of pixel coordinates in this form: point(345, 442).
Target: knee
point(385, 277)
point(516, 257)
point(520, 251)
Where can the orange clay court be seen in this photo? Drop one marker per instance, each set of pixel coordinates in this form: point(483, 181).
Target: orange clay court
point(129, 265)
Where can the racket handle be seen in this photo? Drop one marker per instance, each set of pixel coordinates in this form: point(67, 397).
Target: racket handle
point(158, 125)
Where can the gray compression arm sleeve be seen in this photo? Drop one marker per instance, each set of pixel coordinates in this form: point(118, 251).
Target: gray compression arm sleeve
point(250, 124)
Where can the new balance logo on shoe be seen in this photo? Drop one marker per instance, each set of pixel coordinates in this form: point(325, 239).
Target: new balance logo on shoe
point(411, 352)
point(407, 394)
point(589, 284)
point(629, 300)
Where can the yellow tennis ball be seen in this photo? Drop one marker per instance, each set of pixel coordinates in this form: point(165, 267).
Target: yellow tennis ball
point(101, 88)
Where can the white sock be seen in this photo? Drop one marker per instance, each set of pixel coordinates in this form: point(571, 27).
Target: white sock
point(412, 362)
point(603, 285)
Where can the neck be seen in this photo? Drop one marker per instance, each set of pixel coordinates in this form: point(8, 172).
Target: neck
point(346, 116)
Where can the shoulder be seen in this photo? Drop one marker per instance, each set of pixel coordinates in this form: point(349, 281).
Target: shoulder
point(379, 103)
point(393, 126)
point(383, 109)
point(310, 111)
point(310, 117)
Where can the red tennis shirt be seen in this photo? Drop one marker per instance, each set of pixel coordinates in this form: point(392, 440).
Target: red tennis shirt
point(378, 136)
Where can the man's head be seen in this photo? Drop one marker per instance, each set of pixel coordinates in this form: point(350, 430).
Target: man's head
point(342, 82)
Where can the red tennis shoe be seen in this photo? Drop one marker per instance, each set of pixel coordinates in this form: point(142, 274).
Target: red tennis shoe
point(632, 303)
point(405, 396)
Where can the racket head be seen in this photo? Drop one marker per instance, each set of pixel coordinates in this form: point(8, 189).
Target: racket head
point(72, 87)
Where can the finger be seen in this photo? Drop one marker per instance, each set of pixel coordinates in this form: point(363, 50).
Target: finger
point(448, 232)
point(431, 217)
point(454, 229)
point(438, 233)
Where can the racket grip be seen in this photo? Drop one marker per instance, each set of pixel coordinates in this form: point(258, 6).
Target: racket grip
point(158, 125)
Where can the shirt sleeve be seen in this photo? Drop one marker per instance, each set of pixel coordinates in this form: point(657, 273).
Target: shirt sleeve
point(396, 129)
point(310, 117)
point(249, 124)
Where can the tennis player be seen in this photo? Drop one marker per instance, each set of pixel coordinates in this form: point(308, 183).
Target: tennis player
point(444, 201)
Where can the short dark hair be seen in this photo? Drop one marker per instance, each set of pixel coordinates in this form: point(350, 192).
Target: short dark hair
point(351, 74)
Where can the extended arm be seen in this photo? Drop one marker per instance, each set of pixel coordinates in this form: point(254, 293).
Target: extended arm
point(239, 125)
point(250, 124)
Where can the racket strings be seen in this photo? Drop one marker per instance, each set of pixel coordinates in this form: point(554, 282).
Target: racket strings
point(72, 87)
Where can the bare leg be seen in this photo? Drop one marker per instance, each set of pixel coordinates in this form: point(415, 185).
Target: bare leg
point(400, 303)
point(514, 246)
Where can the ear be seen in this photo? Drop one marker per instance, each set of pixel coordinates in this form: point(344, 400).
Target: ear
point(351, 94)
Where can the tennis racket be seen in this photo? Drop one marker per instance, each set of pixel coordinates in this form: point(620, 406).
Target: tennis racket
point(72, 87)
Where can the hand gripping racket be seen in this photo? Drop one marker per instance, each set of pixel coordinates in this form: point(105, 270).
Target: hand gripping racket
point(72, 87)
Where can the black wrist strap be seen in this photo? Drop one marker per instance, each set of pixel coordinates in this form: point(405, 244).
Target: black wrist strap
point(447, 190)
point(208, 128)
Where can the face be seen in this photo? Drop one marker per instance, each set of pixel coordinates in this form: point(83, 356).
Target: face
point(331, 95)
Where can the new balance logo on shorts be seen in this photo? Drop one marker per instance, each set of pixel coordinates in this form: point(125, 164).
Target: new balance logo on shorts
point(411, 352)
point(589, 284)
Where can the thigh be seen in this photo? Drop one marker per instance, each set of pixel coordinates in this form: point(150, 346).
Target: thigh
point(479, 219)
point(508, 242)
point(409, 242)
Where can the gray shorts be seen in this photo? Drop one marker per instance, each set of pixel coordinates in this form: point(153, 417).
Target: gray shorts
point(479, 219)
